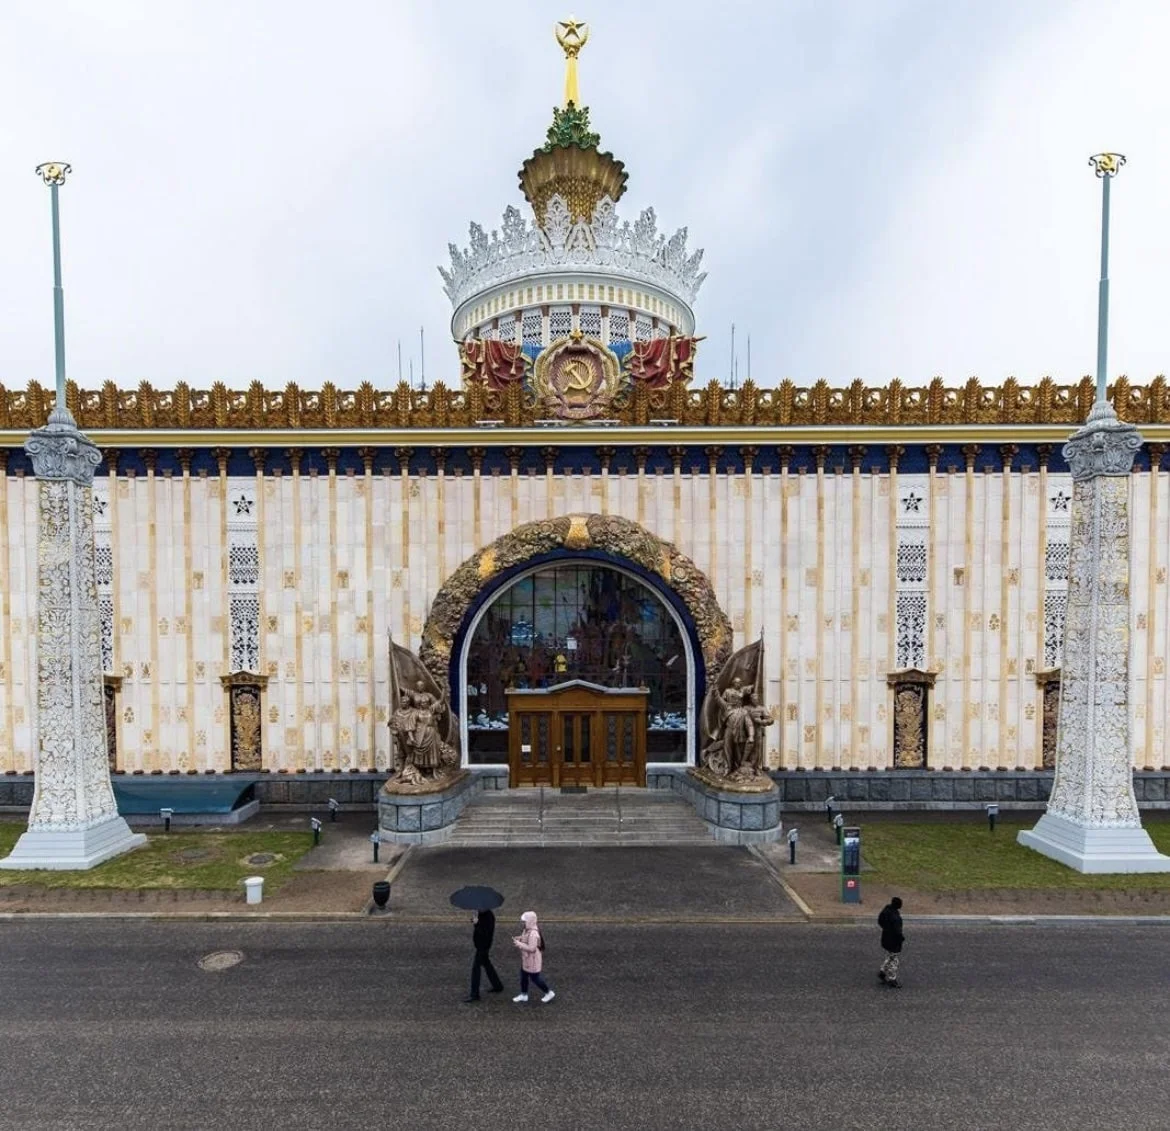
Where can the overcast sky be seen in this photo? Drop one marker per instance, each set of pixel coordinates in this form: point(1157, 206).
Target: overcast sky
point(262, 189)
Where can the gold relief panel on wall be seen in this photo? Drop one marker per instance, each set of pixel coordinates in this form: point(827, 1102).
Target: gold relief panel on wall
point(1049, 684)
point(911, 704)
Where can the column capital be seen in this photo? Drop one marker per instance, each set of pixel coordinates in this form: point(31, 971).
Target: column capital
point(514, 455)
point(222, 455)
point(785, 452)
point(894, 453)
point(748, 454)
point(331, 456)
point(403, 456)
point(1102, 447)
point(3, 460)
point(294, 457)
point(1007, 453)
point(259, 458)
point(1157, 454)
point(149, 457)
point(933, 455)
point(714, 454)
point(970, 454)
point(856, 455)
point(439, 455)
point(550, 457)
point(111, 457)
point(677, 454)
point(641, 455)
point(1043, 454)
point(185, 456)
point(605, 455)
point(61, 452)
point(821, 455)
point(477, 457)
point(367, 456)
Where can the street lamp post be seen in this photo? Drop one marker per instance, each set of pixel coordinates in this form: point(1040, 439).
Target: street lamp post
point(73, 821)
point(1107, 166)
point(1092, 822)
point(53, 173)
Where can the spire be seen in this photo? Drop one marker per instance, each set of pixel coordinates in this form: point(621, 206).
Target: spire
point(572, 35)
point(569, 164)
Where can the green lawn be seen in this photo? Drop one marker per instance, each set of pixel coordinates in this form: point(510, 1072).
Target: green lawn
point(954, 856)
point(194, 861)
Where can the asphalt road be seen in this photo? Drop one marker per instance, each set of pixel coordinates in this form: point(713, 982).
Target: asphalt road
point(113, 1024)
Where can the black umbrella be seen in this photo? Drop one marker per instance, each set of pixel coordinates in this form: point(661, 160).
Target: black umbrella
point(477, 899)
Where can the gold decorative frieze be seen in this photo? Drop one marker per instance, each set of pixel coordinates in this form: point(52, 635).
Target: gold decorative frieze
point(712, 404)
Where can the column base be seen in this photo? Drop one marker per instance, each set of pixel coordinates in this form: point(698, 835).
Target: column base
point(67, 850)
point(1094, 850)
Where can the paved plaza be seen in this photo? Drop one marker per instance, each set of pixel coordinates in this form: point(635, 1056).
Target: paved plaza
point(353, 1025)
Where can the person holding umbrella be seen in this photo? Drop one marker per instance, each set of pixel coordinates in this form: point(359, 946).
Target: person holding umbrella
point(482, 901)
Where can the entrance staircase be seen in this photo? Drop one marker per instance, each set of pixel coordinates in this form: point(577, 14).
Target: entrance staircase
point(544, 817)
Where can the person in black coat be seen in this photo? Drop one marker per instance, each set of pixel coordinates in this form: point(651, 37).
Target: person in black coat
point(481, 938)
point(890, 921)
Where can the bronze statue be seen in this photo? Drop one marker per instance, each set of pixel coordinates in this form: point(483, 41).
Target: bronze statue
point(732, 722)
point(424, 730)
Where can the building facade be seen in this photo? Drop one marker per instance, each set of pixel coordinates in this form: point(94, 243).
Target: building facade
point(575, 507)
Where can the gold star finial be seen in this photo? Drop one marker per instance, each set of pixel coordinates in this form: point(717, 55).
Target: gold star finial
point(572, 35)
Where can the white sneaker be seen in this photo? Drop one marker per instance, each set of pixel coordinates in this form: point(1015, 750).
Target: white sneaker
point(547, 997)
point(520, 997)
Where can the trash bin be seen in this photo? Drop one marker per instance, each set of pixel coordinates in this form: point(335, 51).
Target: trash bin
point(254, 887)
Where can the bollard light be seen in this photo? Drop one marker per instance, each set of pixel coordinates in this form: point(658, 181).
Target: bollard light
point(992, 813)
point(376, 841)
point(793, 837)
point(838, 825)
point(829, 808)
point(333, 807)
point(166, 815)
point(315, 825)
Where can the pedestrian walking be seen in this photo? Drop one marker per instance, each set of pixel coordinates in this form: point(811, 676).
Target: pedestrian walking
point(890, 921)
point(482, 935)
point(530, 943)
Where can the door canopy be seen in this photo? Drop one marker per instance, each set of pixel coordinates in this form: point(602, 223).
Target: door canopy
point(602, 534)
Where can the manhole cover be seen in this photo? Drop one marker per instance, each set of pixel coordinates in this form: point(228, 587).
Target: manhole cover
point(193, 855)
point(220, 960)
point(259, 859)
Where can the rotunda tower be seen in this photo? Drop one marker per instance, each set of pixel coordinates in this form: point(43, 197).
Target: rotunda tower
point(574, 286)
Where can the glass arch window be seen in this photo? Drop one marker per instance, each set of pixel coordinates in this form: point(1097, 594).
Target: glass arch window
point(576, 621)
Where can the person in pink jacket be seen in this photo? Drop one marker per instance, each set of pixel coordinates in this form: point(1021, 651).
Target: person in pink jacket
point(531, 947)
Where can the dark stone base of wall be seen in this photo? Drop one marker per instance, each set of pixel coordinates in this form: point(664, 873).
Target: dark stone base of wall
point(940, 789)
point(798, 790)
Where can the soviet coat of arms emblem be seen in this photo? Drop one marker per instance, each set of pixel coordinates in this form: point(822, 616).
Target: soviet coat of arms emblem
point(577, 379)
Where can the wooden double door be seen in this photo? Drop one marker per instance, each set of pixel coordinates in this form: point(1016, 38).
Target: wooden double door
point(577, 734)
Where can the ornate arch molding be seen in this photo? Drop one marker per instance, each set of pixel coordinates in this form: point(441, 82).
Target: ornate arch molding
point(603, 535)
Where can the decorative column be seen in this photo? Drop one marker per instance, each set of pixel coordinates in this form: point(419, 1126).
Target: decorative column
point(73, 822)
point(1092, 822)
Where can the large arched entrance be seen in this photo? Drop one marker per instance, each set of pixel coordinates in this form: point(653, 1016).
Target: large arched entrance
point(594, 605)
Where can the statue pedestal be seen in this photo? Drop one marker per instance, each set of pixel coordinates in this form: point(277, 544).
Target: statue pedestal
point(416, 814)
point(733, 814)
point(1092, 823)
point(73, 822)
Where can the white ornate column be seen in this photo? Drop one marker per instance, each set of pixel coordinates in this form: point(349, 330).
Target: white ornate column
point(1092, 823)
point(74, 822)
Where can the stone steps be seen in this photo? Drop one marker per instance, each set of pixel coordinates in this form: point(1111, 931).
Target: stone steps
point(546, 817)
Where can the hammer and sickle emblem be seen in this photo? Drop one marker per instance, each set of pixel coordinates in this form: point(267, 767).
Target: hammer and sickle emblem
point(580, 378)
